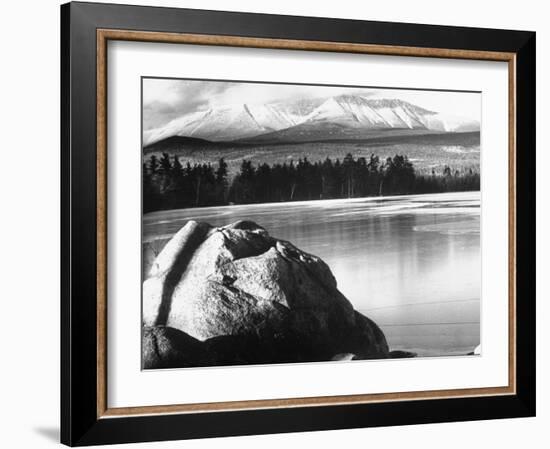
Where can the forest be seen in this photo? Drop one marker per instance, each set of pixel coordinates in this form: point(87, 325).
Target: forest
point(167, 184)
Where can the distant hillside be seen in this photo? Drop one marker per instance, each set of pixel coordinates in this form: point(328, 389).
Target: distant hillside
point(459, 150)
point(304, 133)
point(185, 146)
point(173, 142)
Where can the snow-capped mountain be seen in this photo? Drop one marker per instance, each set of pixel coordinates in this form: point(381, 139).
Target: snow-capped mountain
point(307, 118)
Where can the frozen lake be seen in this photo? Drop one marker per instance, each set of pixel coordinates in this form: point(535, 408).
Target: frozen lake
point(411, 263)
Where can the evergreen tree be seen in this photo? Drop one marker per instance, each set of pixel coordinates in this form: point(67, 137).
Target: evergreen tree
point(221, 182)
point(147, 189)
point(168, 185)
point(221, 172)
point(177, 168)
point(165, 166)
point(153, 165)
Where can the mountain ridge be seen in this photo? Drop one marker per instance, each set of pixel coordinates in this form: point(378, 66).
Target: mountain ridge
point(341, 116)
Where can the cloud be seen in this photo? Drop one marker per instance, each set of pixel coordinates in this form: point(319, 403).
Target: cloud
point(262, 93)
point(464, 104)
point(166, 99)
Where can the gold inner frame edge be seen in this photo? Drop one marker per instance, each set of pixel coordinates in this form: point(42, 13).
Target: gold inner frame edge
point(104, 35)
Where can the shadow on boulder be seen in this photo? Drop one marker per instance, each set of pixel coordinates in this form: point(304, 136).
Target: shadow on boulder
point(236, 295)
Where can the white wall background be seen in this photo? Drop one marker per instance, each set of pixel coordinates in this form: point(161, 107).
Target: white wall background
point(29, 189)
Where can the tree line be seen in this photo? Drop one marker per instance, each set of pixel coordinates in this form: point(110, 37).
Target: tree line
point(167, 184)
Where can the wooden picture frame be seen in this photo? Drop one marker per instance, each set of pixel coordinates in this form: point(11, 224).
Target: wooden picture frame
point(85, 417)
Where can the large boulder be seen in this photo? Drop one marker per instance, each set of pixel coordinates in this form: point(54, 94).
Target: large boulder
point(251, 298)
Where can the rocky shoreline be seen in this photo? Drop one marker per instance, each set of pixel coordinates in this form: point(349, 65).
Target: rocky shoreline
point(235, 295)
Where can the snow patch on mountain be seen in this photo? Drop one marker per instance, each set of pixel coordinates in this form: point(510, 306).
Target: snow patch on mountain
point(242, 121)
point(450, 123)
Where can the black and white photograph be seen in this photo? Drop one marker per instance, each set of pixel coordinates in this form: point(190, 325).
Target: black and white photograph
point(272, 225)
point(288, 223)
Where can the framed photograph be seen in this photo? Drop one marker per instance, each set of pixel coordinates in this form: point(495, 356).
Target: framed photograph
point(281, 224)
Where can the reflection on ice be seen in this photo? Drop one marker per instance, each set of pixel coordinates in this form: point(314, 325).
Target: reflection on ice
point(412, 263)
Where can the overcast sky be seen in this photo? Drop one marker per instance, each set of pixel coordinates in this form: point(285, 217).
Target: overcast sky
point(167, 99)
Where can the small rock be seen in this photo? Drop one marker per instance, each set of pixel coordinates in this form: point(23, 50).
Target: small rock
point(343, 357)
point(165, 347)
point(398, 354)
